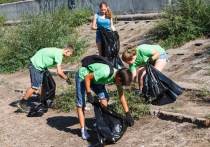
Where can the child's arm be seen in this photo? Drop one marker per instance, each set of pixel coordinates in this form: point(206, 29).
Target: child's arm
point(94, 26)
point(122, 98)
point(155, 55)
point(88, 78)
point(112, 26)
point(128, 118)
point(61, 73)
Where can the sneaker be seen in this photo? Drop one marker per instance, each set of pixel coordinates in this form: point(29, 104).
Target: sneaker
point(85, 134)
point(23, 106)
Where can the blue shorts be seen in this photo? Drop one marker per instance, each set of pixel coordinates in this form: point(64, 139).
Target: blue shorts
point(98, 89)
point(163, 56)
point(36, 77)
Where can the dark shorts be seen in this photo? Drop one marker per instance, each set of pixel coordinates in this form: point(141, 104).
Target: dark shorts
point(36, 77)
point(98, 37)
point(98, 89)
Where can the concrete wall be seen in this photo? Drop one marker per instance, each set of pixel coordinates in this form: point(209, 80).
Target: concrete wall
point(13, 11)
point(128, 6)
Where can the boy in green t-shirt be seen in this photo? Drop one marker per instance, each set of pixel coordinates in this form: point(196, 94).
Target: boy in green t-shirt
point(139, 56)
point(94, 78)
point(43, 59)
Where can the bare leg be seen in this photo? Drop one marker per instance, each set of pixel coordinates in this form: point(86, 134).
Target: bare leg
point(81, 116)
point(29, 93)
point(99, 48)
point(160, 64)
point(141, 72)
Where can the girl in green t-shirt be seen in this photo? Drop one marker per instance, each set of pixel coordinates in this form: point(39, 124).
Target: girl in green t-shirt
point(139, 56)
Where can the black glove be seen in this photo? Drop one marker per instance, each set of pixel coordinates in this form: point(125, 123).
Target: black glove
point(90, 98)
point(129, 119)
point(68, 81)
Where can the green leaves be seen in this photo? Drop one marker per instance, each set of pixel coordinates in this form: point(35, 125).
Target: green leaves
point(48, 29)
point(183, 21)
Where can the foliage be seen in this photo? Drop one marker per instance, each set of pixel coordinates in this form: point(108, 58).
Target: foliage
point(2, 20)
point(66, 101)
point(137, 106)
point(55, 29)
point(8, 1)
point(183, 21)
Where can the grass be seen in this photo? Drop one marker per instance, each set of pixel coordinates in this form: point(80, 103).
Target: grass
point(183, 21)
point(65, 102)
point(138, 108)
point(48, 29)
point(8, 1)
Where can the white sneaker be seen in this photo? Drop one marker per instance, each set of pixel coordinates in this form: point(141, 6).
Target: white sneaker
point(85, 134)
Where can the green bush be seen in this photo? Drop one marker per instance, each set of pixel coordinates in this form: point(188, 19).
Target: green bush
point(44, 30)
point(183, 21)
point(2, 20)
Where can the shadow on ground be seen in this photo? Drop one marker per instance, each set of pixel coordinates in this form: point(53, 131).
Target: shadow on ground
point(64, 123)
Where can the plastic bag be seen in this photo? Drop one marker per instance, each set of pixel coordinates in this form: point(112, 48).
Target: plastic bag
point(110, 126)
point(111, 47)
point(158, 88)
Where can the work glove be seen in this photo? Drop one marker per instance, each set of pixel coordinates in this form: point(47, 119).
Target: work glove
point(129, 119)
point(90, 98)
point(68, 81)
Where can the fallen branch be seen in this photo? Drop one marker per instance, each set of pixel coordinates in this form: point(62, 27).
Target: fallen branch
point(178, 117)
point(133, 17)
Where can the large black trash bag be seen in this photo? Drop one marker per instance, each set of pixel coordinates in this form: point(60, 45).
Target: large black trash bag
point(48, 90)
point(45, 101)
point(111, 46)
point(158, 88)
point(110, 126)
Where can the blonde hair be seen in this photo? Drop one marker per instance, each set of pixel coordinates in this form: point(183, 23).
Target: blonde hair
point(128, 54)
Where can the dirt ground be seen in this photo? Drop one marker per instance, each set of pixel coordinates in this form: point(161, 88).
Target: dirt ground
point(188, 66)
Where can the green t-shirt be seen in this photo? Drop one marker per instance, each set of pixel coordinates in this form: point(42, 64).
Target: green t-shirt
point(100, 72)
point(47, 57)
point(144, 51)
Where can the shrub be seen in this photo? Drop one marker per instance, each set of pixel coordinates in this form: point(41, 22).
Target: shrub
point(55, 29)
point(183, 21)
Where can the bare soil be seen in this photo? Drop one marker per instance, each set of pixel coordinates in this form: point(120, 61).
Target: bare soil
point(188, 66)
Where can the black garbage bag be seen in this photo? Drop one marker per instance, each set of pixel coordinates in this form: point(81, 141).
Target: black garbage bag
point(37, 110)
point(45, 100)
point(158, 88)
point(48, 90)
point(111, 46)
point(110, 126)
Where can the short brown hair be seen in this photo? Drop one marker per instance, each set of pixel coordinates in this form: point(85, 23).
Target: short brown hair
point(128, 54)
point(70, 46)
point(125, 76)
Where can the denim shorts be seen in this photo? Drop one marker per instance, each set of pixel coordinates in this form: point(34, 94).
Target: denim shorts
point(36, 77)
point(163, 56)
point(98, 89)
